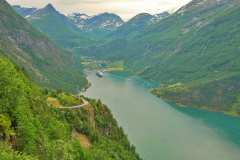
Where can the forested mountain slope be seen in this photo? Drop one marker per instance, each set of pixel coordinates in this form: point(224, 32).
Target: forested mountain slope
point(58, 27)
point(133, 26)
point(39, 56)
point(196, 48)
point(32, 129)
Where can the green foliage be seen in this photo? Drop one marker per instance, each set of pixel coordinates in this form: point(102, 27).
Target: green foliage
point(68, 100)
point(5, 128)
point(235, 108)
point(98, 124)
point(42, 60)
point(110, 150)
point(215, 95)
point(33, 130)
point(60, 149)
point(6, 153)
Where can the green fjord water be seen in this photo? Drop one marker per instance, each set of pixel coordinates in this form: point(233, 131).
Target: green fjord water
point(161, 131)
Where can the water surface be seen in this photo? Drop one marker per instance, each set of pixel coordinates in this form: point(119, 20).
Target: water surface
point(161, 131)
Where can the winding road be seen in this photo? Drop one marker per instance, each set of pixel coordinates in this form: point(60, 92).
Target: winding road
point(85, 103)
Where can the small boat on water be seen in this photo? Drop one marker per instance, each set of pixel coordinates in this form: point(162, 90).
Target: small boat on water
point(99, 74)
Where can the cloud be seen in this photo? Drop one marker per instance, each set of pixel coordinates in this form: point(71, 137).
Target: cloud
point(125, 8)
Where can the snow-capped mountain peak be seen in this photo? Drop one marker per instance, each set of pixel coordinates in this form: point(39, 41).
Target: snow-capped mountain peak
point(106, 21)
point(78, 16)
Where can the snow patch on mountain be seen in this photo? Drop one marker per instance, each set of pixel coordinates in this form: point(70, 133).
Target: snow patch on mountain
point(159, 17)
point(107, 21)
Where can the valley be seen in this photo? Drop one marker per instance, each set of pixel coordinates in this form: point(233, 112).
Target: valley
point(170, 82)
point(40, 117)
point(197, 47)
point(106, 66)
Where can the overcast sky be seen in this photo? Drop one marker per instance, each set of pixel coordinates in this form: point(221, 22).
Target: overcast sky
point(125, 8)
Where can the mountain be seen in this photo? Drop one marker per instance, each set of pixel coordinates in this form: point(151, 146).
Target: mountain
point(77, 29)
point(98, 26)
point(44, 62)
point(24, 11)
point(107, 21)
point(159, 17)
point(58, 27)
point(137, 25)
point(193, 53)
point(79, 19)
point(103, 21)
point(133, 26)
point(34, 128)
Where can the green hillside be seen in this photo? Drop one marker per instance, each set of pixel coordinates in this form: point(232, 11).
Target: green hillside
point(197, 47)
point(32, 129)
point(58, 27)
point(34, 52)
point(132, 27)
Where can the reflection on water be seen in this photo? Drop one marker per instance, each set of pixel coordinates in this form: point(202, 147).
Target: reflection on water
point(162, 131)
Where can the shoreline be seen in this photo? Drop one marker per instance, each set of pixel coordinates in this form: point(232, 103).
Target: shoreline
point(181, 105)
point(177, 104)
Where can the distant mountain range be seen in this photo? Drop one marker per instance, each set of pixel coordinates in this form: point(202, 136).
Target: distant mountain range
point(105, 21)
point(83, 25)
point(193, 52)
point(137, 24)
